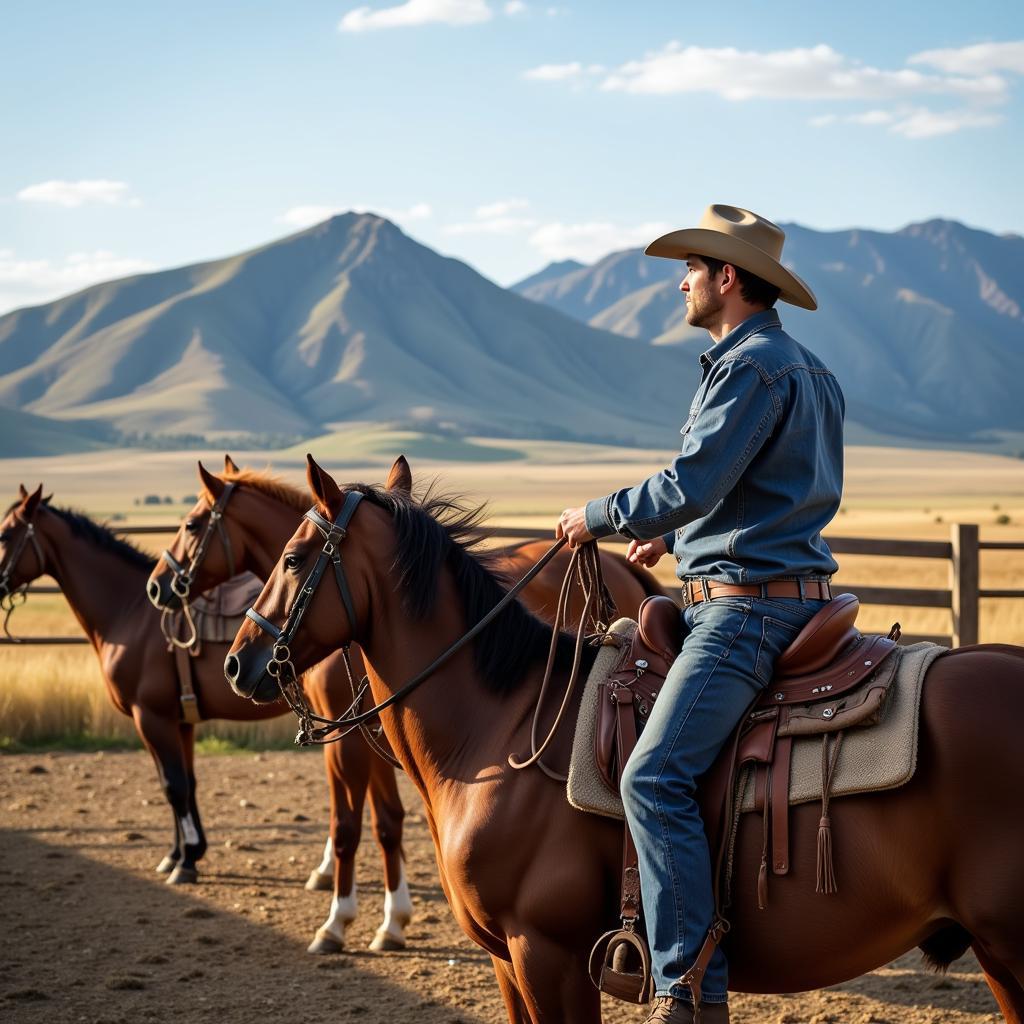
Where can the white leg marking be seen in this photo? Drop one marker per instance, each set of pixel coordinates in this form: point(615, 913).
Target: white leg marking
point(327, 864)
point(188, 830)
point(343, 913)
point(397, 911)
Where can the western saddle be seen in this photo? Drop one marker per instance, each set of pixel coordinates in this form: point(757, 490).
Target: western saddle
point(826, 681)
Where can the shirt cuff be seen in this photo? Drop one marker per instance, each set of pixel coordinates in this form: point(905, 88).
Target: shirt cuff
point(599, 523)
point(670, 542)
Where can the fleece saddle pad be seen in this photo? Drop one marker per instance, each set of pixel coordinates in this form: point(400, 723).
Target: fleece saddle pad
point(219, 613)
point(872, 758)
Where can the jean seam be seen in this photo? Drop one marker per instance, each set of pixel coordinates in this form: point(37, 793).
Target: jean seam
point(659, 807)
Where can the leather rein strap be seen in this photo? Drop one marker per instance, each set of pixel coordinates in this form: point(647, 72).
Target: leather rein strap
point(181, 582)
point(316, 728)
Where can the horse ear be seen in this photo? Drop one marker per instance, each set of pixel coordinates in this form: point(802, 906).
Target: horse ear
point(22, 493)
point(323, 486)
point(229, 464)
point(213, 484)
point(400, 477)
point(30, 502)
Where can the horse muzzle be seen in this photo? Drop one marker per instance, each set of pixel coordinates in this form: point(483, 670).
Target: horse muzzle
point(247, 673)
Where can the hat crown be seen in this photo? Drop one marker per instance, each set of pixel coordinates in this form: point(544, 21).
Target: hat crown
point(745, 225)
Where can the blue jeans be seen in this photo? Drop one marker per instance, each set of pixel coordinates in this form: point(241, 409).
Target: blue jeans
point(729, 652)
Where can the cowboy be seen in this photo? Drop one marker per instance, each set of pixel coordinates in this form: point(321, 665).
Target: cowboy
point(758, 477)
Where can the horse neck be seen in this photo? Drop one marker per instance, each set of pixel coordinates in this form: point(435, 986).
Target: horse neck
point(450, 726)
point(101, 588)
point(268, 524)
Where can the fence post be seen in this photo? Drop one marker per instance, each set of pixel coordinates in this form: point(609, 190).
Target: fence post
point(964, 582)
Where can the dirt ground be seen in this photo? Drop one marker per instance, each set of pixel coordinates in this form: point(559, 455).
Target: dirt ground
point(91, 934)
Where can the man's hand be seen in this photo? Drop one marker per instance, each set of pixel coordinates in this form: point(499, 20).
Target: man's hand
point(572, 524)
point(647, 552)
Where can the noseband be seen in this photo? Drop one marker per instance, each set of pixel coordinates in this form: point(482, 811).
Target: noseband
point(11, 599)
point(182, 580)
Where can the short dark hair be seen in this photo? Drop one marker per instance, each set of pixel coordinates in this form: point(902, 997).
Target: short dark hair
point(755, 290)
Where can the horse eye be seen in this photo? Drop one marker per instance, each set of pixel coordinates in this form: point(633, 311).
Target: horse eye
point(5, 536)
point(292, 561)
point(192, 525)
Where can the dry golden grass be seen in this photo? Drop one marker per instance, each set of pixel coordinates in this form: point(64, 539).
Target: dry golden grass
point(56, 694)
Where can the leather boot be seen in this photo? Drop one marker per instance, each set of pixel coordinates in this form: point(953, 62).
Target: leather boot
point(678, 1011)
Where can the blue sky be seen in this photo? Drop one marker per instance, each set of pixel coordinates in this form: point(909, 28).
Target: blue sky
point(141, 136)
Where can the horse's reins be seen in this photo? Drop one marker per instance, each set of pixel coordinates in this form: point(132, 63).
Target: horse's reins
point(314, 728)
point(11, 599)
point(182, 580)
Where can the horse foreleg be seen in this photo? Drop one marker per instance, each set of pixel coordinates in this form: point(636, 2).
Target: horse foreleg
point(321, 878)
point(1006, 983)
point(188, 737)
point(514, 1005)
point(162, 739)
point(552, 982)
point(387, 814)
point(348, 792)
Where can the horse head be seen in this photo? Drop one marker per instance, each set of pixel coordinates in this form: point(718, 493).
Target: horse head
point(208, 548)
point(21, 557)
point(318, 597)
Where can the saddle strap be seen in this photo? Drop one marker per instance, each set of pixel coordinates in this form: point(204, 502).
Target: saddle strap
point(779, 797)
point(626, 742)
point(186, 694)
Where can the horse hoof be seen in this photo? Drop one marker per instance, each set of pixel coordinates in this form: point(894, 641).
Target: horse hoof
point(166, 866)
point(325, 944)
point(383, 942)
point(319, 883)
point(183, 876)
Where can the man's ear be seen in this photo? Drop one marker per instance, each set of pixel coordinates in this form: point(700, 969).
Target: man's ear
point(31, 502)
point(229, 464)
point(213, 484)
point(325, 490)
point(400, 477)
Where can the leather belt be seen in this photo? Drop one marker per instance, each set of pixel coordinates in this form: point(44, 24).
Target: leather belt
point(695, 591)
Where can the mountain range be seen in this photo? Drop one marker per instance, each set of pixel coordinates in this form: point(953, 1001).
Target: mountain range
point(352, 321)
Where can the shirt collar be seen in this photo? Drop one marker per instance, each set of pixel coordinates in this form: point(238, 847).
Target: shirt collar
point(752, 325)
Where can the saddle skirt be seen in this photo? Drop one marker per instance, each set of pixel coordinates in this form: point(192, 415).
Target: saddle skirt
point(871, 759)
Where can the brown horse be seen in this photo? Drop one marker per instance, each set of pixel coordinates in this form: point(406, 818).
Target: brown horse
point(935, 863)
point(261, 514)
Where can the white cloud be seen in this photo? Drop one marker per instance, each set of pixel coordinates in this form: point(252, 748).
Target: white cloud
point(30, 282)
point(78, 193)
point(916, 122)
point(817, 72)
point(307, 216)
point(926, 124)
point(554, 72)
point(496, 218)
point(979, 59)
point(416, 12)
point(590, 241)
point(501, 208)
point(514, 7)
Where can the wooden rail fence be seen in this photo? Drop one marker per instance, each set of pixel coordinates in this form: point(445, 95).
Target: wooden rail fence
point(962, 598)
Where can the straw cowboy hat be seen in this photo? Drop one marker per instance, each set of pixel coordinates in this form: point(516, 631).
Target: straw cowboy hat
point(743, 239)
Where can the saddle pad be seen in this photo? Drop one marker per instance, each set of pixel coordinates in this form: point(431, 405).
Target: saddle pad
point(219, 612)
point(878, 757)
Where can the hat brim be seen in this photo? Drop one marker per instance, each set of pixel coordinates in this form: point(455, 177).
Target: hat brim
point(679, 245)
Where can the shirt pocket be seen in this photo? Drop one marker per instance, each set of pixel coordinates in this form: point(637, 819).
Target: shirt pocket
point(776, 636)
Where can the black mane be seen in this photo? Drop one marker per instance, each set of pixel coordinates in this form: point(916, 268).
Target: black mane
point(104, 538)
point(440, 530)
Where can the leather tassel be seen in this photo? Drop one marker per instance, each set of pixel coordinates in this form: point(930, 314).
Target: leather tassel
point(762, 885)
point(826, 873)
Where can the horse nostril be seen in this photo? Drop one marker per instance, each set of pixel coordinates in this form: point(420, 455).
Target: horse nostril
point(231, 668)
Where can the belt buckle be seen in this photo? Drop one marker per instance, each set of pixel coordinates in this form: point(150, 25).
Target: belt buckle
point(687, 598)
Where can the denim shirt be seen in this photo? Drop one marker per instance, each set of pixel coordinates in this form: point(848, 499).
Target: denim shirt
point(760, 473)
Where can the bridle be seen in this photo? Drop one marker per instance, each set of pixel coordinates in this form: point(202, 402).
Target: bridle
point(182, 580)
point(315, 729)
point(11, 599)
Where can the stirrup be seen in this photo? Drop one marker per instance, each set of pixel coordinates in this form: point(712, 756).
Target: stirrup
point(620, 964)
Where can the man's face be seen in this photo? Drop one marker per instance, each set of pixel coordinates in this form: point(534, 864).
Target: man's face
point(703, 300)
